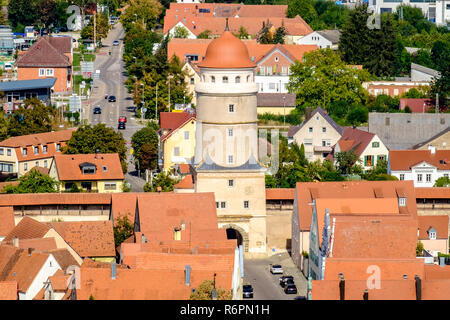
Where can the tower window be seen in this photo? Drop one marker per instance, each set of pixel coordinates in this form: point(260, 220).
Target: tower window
point(246, 204)
point(230, 183)
point(238, 79)
point(230, 159)
point(231, 108)
point(230, 132)
point(213, 79)
point(225, 79)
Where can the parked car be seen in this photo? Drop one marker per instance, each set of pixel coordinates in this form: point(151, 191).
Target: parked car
point(247, 291)
point(97, 110)
point(121, 126)
point(290, 289)
point(300, 298)
point(115, 42)
point(276, 268)
point(284, 278)
point(287, 281)
point(123, 119)
point(112, 99)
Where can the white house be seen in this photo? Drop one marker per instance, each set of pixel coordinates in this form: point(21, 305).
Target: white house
point(322, 39)
point(423, 167)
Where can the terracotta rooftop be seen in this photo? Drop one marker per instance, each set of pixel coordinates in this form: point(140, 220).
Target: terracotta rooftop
point(355, 139)
point(186, 183)
point(59, 281)
point(307, 191)
point(436, 272)
point(160, 213)
point(406, 159)
point(432, 193)
point(69, 166)
point(8, 290)
point(28, 228)
point(39, 244)
point(38, 139)
point(7, 220)
point(439, 223)
point(88, 238)
point(35, 199)
point(44, 54)
point(280, 194)
point(171, 121)
point(63, 44)
point(124, 204)
point(64, 258)
point(227, 9)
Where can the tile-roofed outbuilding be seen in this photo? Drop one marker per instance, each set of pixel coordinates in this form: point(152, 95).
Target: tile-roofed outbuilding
point(59, 281)
point(432, 193)
point(38, 244)
point(38, 139)
point(33, 199)
point(280, 194)
point(159, 213)
point(28, 228)
point(88, 238)
point(8, 290)
point(405, 159)
point(43, 54)
point(69, 166)
point(186, 183)
point(64, 258)
point(439, 223)
point(123, 204)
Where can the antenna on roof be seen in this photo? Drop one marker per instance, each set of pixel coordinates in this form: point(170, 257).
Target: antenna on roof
point(226, 26)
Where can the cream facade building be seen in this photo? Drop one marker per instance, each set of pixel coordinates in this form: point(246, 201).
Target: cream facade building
point(318, 134)
point(226, 153)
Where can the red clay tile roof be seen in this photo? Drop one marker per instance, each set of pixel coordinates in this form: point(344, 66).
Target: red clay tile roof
point(358, 269)
point(374, 237)
point(108, 167)
point(33, 199)
point(8, 256)
point(7, 220)
point(124, 204)
point(134, 284)
point(227, 52)
point(25, 269)
point(43, 54)
point(439, 223)
point(357, 140)
point(88, 238)
point(280, 194)
point(160, 213)
point(64, 258)
point(185, 168)
point(39, 244)
point(307, 191)
point(436, 272)
point(41, 170)
point(436, 289)
point(227, 9)
point(28, 228)
point(63, 44)
point(186, 183)
point(406, 159)
point(171, 121)
point(59, 281)
point(8, 290)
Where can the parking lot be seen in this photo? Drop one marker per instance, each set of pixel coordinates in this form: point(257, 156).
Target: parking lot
point(266, 286)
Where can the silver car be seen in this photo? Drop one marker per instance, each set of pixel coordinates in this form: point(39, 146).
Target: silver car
point(276, 269)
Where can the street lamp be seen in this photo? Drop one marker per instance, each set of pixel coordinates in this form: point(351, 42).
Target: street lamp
point(169, 77)
point(156, 105)
point(143, 102)
point(214, 294)
point(284, 110)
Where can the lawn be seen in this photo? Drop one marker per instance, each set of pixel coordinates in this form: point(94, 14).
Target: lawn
point(76, 84)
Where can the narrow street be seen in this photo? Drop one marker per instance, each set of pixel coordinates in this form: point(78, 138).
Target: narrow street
point(111, 82)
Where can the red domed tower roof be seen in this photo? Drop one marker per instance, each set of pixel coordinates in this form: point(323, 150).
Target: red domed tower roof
point(227, 52)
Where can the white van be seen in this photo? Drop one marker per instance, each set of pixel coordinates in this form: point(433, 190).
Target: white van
point(7, 66)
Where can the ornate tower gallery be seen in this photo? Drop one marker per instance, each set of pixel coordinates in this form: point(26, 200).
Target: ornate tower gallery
point(226, 154)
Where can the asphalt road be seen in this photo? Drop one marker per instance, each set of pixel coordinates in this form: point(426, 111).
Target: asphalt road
point(111, 82)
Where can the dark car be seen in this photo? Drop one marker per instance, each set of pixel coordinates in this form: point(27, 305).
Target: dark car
point(287, 282)
point(300, 298)
point(112, 99)
point(121, 126)
point(247, 291)
point(283, 280)
point(290, 289)
point(97, 110)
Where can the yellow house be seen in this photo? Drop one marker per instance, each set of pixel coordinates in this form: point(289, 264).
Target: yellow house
point(177, 138)
point(100, 173)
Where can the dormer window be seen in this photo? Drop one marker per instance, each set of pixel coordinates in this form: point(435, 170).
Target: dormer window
point(36, 150)
point(432, 234)
point(58, 146)
point(24, 151)
point(44, 149)
point(401, 201)
point(88, 168)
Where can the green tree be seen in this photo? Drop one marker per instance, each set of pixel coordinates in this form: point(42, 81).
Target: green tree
point(419, 249)
point(162, 180)
point(148, 156)
point(358, 115)
point(303, 8)
point(102, 28)
point(34, 118)
point(4, 125)
point(264, 36)
point(123, 229)
point(143, 136)
point(442, 182)
point(89, 139)
point(322, 78)
point(180, 32)
point(280, 34)
point(23, 12)
point(147, 11)
point(345, 160)
point(423, 57)
point(204, 35)
point(243, 34)
point(204, 292)
point(33, 182)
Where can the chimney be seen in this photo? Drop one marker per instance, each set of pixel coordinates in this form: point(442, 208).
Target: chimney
point(418, 287)
point(307, 113)
point(341, 286)
point(113, 270)
point(366, 295)
point(30, 250)
point(16, 242)
point(187, 275)
point(442, 262)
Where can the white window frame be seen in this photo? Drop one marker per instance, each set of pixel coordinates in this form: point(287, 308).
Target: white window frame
point(176, 151)
point(402, 177)
point(230, 132)
point(433, 235)
point(45, 163)
point(428, 177)
point(49, 72)
point(8, 152)
point(2, 151)
point(41, 72)
point(186, 135)
point(25, 166)
point(230, 159)
point(402, 202)
point(419, 177)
